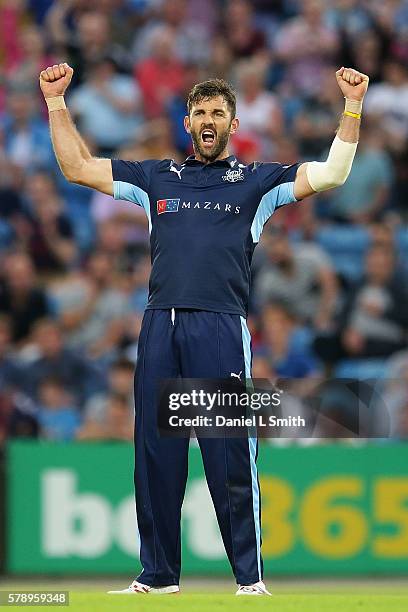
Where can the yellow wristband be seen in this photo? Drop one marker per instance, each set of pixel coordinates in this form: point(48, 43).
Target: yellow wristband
point(354, 115)
point(55, 103)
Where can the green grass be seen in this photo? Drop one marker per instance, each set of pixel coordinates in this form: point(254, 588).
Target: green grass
point(377, 595)
point(212, 603)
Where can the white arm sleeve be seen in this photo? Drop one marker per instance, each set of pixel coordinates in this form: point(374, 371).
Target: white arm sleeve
point(335, 170)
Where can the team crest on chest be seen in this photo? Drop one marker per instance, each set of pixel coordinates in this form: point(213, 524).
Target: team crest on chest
point(233, 175)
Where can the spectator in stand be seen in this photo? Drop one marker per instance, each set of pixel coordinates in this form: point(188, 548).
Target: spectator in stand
point(258, 110)
point(18, 416)
point(38, 9)
point(54, 360)
point(62, 20)
point(84, 33)
point(131, 220)
point(261, 366)
point(399, 38)
point(111, 240)
point(21, 297)
point(389, 100)
point(109, 99)
point(285, 356)
point(221, 59)
point(92, 307)
point(246, 147)
point(244, 37)
point(302, 283)
point(364, 39)
point(34, 58)
point(58, 416)
point(140, 282)
point(382, 234)
point(4, 420)
point(155, 141)
point(117, 425)
point(10, 371)
point(374, 321)
point(305, 234)
point(365, 195)
point(191, 35)
point(306, 44)
point(367, 51)
point(26, 134)
point(315, 122)
point(160, 75)
point(49, 236)
point(120, 382)
point(349, 17)
point(11, 202)
point(11, 17)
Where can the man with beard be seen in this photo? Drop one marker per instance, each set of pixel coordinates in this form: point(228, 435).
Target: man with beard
point(205, 216)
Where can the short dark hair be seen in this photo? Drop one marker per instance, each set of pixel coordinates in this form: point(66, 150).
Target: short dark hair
point(211, 89)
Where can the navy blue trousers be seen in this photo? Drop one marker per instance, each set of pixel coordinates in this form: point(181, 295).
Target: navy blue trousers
point(192, 344)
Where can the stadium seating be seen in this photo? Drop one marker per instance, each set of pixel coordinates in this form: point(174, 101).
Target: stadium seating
point(362, 369)
point(346, 245)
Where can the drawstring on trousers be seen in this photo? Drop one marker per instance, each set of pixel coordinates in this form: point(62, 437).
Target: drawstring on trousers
point(173, 315)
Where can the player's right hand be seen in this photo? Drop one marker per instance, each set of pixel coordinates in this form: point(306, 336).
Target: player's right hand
point(54, 80)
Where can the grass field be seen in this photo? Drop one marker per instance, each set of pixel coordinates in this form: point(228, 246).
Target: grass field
point(205, 596)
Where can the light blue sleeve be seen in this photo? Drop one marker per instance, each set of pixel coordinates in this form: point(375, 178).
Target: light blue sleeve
point(273, 199)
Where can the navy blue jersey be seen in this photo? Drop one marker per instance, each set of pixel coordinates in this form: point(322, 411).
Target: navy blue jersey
point(205, 221)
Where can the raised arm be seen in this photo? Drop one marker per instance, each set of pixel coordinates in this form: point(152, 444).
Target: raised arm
point(312, 177)
point(73, 156)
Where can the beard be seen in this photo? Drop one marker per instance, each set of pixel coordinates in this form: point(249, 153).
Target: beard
point(220, 143)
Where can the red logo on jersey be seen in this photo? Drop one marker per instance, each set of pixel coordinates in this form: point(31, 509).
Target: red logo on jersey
point(164, 206)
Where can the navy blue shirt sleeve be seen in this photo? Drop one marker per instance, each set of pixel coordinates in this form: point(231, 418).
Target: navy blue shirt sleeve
point(131, 180)
point(273, 175)
point(276, 184)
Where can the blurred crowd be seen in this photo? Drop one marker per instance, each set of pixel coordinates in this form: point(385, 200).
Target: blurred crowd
point(330, 282)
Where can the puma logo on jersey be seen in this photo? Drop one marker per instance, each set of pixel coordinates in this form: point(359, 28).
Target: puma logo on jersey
point(233, 375)
point(178, 172)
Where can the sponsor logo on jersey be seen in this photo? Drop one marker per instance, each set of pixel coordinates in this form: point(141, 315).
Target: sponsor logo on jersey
point(175, 205)
point(165, 206)
point(233, 175)
point(229, 208)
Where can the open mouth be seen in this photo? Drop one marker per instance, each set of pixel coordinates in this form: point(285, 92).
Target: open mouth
point(208, 137)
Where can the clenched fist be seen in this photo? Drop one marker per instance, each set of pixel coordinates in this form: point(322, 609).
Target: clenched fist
point(352, 83)
point(54, 80)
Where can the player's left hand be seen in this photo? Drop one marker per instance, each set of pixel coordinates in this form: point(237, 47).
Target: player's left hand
point(353, 84)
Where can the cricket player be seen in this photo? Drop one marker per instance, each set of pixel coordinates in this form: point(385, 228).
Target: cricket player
point(205, 218)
